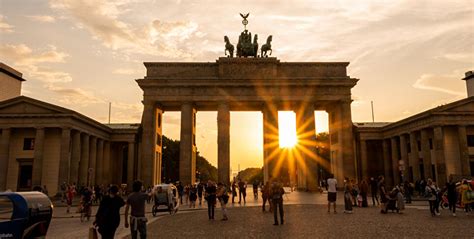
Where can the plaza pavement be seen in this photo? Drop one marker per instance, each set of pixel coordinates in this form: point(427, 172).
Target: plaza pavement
point(301, 208)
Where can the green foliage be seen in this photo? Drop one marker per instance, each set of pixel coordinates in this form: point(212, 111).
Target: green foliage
point(170, 163)
point(251, 174)
point(205, 170)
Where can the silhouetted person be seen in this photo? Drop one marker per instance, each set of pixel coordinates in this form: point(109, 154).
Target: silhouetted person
point(211, 191)
point(107, 218)
point(276, 195)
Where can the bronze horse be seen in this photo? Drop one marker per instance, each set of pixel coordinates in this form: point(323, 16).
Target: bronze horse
point(255, 45)
point(228, 47)
point(267, 47)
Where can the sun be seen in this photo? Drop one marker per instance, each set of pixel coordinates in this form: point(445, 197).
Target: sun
point(287, 129)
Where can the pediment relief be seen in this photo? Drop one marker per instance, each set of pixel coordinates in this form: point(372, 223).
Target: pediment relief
point(466, 107)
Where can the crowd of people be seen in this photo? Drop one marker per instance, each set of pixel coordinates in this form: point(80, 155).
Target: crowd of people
point(455, 194)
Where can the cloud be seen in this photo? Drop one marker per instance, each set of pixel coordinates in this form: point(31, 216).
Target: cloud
point(4, 26)
point(442, 83)
point(31, 62)
point(101, 19)
point(74, 96)
point(42, 18)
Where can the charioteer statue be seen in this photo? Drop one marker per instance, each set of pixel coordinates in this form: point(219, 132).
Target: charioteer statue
point(245, 46)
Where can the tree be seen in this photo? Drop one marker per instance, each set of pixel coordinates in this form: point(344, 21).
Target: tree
point(170, 163)
point(249, 175)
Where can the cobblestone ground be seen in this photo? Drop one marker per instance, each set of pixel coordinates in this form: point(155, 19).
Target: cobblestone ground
point(306, 217)
point(313, 221)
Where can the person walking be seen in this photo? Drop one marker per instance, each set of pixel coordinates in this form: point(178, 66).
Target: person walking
point(223, 199)
point(276, 195)
point(373, 190)
point(332, 192)
point(255, 189)
point(347, 196)
point(69, 197)
point(266, 196)
point(136, 201)
point(431, 192)
point(364, 189)
point(211, 199)
point(107, 218)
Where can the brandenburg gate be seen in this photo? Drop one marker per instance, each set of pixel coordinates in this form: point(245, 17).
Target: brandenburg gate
point(248, 82)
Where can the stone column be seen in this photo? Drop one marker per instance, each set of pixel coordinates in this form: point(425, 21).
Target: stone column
point(93, 161)
point(75, 157)
point(130, 163)
point(414, 156)
point(404, 155)
point(223, 143)
point(347, 140)
point(395, 158)
point(150, 158)
point(306, 156)
point(107, 175)
point(99, 172)
point(4, 157)
point(335, 145)
point(464, 151)
point(187, 151)
point(426, 152)
point(387, 162)
point(65, 157)
point(84, 163)
point(271, 144)
point(363, 159)
point(438, 146)
point(38, 157)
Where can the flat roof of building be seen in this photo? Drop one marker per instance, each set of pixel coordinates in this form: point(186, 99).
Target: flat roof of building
point(11, 72)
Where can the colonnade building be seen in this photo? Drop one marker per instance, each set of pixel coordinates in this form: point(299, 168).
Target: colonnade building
point(44, 144)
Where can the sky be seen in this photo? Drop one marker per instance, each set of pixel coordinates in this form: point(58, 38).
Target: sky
point(409, 55)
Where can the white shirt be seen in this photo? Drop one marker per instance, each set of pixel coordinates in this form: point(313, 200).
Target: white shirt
point(332, 185)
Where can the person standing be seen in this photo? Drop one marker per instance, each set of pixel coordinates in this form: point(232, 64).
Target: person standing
point(276, 195)
point(234, 190)
point(180, 192)
point(200, 189)
point(223, 199)
point(107, 218)
point(332, 192)
point(452, 194)
point(408, 190)
point(211, 199)
point(383, 194)
point(364, 189)
point(347, 196)
point(136, 200)
point(266, 196)
point(192, 196)
point(242, 190)
point(373, 191)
